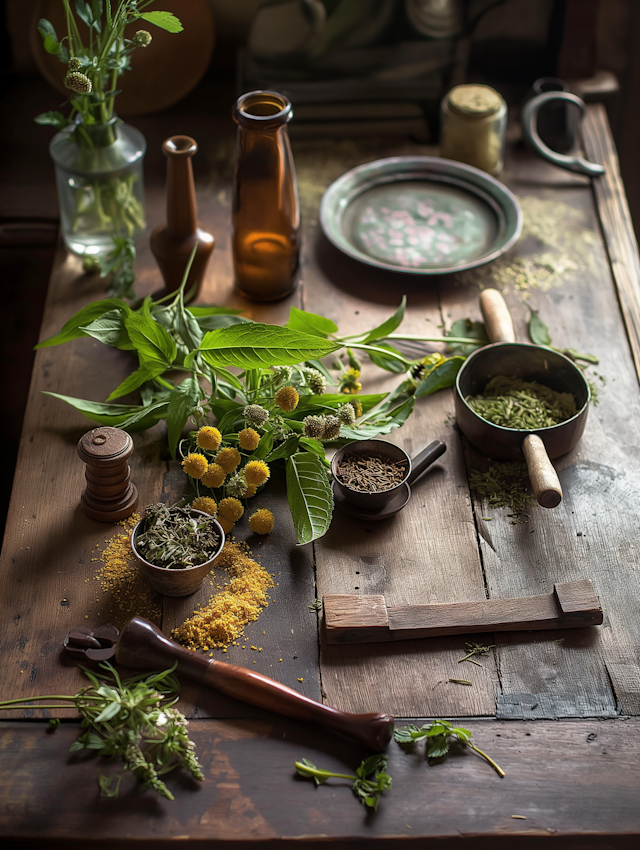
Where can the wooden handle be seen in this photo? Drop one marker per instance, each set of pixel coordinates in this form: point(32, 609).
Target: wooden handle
point(497, 318)
point(141, 644)
point(544, 479)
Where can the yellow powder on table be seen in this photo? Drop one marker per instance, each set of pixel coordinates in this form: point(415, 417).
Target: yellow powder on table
point(222, 620)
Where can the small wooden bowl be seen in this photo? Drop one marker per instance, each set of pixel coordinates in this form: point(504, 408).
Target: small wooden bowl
point(181, 582)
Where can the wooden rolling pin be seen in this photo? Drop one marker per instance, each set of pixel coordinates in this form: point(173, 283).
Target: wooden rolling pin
point(141, 644)
point(367, 619)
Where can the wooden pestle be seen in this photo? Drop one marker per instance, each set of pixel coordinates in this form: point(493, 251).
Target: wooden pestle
point(141, 644)
point(542, 474)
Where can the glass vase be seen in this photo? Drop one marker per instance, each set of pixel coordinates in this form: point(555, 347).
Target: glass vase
point(100, 185)
point(266, 211)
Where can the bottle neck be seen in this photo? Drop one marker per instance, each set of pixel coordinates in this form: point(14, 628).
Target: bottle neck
point(182, 210)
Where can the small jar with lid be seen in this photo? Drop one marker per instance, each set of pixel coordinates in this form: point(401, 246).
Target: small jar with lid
point(473, 127)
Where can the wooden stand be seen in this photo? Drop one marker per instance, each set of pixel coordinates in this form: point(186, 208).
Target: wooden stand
point(109, 496)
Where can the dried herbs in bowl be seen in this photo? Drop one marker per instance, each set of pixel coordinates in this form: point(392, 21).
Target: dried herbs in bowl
point(177, 538)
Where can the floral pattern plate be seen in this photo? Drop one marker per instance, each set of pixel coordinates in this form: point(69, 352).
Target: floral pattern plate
point(421, 215)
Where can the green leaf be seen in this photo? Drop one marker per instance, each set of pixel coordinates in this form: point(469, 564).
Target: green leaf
point(311, 323)
point(163, 20)
point(154, 343)
point(49, 37)
point(471, 330)
point(54, 119)
point(308, 404)
point(441, 376)
point(383, 425)
point(538, 331)
point(285, 449)
point(313, 446)
point(437, 746)
point(188, 328)
point(264, 446)
point(110, 330)
point(145, 372)
point(182, 400)
point(146, 416)
point(389, 326)
point(76, 747)
point(258, 346)
point(390, 364)
point(107, 414)
point(310, 497)
point(72, 329)
point(107, 713)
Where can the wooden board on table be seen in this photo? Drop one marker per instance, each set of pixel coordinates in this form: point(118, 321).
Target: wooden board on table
point(592, 534)
point(426, 553)
point(252, 795)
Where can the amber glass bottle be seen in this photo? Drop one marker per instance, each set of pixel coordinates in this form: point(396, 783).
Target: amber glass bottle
point(266, 212)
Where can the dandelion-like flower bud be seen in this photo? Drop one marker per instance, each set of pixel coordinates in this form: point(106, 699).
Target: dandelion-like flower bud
point(77, 82)
point(350, 383)
point(236, 485)
point(316, 381)
point(205, 504)
point(248, 439)
point(208, 438)
point(142, 38)
point(282, 374)
point(261, 522)
point(357, 407)
point(74, 63)
point(256, 414)
point(287, 399)
point(250, 491)
point(231, 508)
point(256, 472)
point(226, 524)
point(331, 428)
point(228, 458)
point(214, 476)
point(346, 414)
point(313, 426)
point(195, 464)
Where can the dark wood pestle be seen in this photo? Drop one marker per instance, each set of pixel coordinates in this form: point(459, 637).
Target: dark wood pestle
point(172, 243)
point(141, 644)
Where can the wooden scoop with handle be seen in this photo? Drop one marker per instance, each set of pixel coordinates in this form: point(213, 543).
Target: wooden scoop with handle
point(141, 644)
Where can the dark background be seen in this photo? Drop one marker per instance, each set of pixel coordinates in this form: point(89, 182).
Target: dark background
point(586, 42)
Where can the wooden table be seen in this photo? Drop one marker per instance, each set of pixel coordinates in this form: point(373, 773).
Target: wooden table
point(557, 710)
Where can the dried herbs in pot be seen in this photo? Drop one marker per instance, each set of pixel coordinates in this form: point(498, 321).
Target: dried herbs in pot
point(177, 538)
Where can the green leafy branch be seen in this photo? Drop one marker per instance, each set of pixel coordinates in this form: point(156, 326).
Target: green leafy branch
point(439, 734)
point(132, 720)
point(370, 782)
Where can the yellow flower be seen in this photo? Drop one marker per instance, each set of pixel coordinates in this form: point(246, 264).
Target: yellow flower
point(206, 504)
point(250, 491)
point(256, 472)
point(287, 399)
point(228, 459)
point(357, 407)
point(208, 438)
point(214, 476)
point(248, 439)
point(231, 508)
point(226, 524)
point(195, 465)
point(261, 522)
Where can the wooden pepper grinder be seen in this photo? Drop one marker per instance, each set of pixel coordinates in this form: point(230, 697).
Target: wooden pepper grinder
point(173, 242)
point(109, 496)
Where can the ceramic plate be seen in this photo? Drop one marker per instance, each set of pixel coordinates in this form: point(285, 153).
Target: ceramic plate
point(420, 215)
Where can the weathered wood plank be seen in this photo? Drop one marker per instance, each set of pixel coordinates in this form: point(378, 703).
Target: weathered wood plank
point(585, 537)
point(549, 784)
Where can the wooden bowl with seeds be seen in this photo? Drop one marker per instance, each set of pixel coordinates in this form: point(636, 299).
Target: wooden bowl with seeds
point(172, 580)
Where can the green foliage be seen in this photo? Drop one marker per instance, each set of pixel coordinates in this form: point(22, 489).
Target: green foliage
point(130, 720)
point(370, 782)
point(472, 330)
point(439, 376)
point(309, 495)
point(163, 20)
point(439, 735)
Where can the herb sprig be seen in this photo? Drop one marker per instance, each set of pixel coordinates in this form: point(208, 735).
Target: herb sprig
point(129, 719)
point(369, 784)
point(439, 734)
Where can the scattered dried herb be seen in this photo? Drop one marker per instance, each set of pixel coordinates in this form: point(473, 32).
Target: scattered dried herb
point(370, 473)
point(439, 735)
point(176, 539)
point(504, 485)
point(367, 790)
point(514, 403)
point(132, 720)
point(475, 649)
point(460, 682)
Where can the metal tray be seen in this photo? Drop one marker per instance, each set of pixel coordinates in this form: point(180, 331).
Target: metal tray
point(420, 215)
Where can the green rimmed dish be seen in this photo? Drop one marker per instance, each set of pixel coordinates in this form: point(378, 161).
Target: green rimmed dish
point(420, 215)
